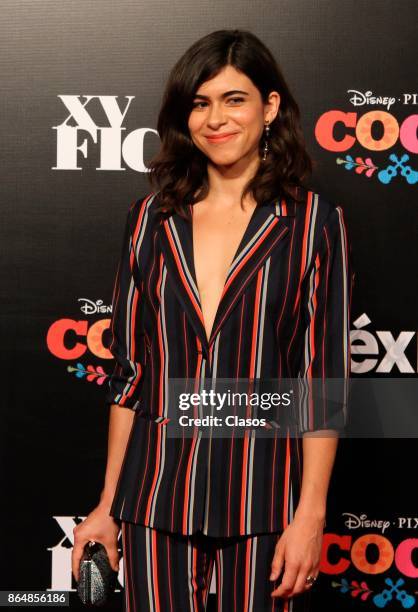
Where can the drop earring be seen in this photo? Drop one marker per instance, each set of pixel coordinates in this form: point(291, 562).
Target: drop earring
point(266, 140)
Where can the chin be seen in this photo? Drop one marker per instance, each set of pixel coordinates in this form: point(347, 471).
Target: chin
point(224, 160)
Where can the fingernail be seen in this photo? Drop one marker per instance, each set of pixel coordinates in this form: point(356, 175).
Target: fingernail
point(272, 575)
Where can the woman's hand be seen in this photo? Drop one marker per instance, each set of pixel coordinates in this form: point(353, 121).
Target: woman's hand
point(98, 526)
point(299, 550)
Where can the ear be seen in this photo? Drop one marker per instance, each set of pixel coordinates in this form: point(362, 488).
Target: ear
point(271, 108)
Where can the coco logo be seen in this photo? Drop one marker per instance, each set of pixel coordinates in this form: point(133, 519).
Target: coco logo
point(113, 147)
point(70, 339)
point(353, 552)
point(362, 126)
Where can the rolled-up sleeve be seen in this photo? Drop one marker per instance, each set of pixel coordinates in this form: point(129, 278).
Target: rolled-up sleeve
point(325, 368)
point(128, 345)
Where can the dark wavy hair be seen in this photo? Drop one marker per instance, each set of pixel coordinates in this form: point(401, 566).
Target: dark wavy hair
point(179, 170)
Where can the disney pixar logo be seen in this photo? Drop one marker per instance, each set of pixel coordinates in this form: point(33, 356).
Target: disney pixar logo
point(340, 130)
point(368, 99)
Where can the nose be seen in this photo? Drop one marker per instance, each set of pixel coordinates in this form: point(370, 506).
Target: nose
point(216, 116)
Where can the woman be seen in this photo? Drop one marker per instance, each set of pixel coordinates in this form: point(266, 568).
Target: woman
point(230, 269)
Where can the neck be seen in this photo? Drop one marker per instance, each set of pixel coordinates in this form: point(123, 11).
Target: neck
point(228, 182)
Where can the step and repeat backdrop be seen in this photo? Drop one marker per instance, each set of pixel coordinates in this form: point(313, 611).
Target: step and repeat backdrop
point(81, 88)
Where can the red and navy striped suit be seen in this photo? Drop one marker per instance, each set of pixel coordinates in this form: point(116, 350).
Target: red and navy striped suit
point(284, 312)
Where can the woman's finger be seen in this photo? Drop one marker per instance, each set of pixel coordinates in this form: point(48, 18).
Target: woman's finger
point(277, 563)
point(301, 585)
point(76, 555)
point(289, 578)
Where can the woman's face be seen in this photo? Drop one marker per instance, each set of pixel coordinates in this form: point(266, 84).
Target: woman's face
point(227, 119)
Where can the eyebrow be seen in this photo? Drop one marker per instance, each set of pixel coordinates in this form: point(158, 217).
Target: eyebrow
point(224, 95)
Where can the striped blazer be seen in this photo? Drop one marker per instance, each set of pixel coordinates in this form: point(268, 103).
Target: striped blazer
point(284, 313)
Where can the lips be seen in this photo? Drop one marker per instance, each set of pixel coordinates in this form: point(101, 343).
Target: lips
point(221, 137)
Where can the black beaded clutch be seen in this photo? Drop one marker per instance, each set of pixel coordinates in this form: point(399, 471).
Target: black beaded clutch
point(97, 578)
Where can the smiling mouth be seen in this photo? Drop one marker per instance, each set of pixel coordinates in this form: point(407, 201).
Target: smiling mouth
point(220, 138)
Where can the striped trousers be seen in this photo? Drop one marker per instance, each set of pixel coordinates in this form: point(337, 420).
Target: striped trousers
point(170, 572)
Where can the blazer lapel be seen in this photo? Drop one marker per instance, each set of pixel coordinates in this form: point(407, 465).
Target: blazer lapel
point(177, 247)
point(265, 229)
